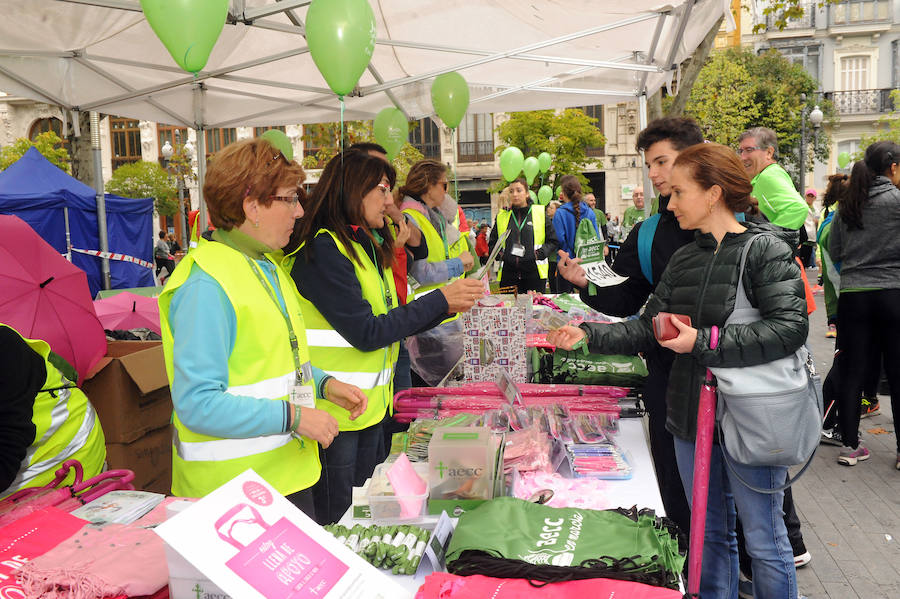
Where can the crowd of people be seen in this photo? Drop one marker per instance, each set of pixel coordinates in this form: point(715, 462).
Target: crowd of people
point(290, 326)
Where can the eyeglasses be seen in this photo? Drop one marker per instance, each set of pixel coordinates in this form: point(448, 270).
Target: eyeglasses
point(747, 150)
point(384, 189)
point(291, 200)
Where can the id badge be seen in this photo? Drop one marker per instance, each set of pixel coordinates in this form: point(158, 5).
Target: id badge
point(518, 250)
point(303, 396)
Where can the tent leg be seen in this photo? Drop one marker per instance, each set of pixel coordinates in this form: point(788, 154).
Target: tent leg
point(645, 174)
point(201, 155)
point(101, 199)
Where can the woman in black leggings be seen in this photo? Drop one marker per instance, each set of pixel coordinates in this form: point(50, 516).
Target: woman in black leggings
point(865, 243)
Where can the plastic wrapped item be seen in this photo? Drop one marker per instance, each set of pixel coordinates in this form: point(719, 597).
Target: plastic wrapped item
point(602, 460)
point(567, 492)
point(435, 352)
point(527, 450)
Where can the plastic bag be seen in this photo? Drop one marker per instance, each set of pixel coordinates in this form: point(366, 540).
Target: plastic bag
point(434, 353)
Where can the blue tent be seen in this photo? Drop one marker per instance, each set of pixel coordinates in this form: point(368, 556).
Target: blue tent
point(38, 192)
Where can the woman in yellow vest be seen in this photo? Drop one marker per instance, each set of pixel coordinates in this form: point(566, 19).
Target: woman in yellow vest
point(342, 268)
point(243, 388)
point(34, 439)
point(531, 241)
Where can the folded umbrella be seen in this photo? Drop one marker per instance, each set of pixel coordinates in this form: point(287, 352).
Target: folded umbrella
point(128, 311)
point(44, 296)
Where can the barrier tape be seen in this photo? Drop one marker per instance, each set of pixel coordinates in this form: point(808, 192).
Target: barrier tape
point(113, 256)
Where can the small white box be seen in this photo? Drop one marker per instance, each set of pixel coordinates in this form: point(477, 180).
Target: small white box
point(186, 581)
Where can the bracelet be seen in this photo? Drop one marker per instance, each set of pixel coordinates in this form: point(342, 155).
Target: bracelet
point(296, 424)
point(714, 337)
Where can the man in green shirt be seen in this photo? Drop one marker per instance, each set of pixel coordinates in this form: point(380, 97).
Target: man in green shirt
point(778, 199)
point(591, 201)
point(633, 214)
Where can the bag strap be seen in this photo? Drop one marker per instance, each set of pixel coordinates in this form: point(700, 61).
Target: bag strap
point(646, 233)
point(778, 489)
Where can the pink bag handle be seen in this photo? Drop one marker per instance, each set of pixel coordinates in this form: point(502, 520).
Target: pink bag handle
point(61, 473)
point(103, 483)
point(226, 536)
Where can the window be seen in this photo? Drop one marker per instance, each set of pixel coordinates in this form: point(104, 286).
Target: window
point(595, 112)
point(854, 73)
point(850, 146)
point(860, 11)
point(476, 138)
point(126, 141)
point(257, 131)
point(167, 133)
point(426, 137)
point(216, 139)
point(805, 56)
point(312, 136)
point(44, 125)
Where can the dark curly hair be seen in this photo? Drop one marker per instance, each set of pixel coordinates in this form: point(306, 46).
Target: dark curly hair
point(681, 132)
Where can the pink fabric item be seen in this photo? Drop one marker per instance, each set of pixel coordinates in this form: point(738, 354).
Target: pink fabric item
point(585, 493)
point(99, 561)
point(441, 585)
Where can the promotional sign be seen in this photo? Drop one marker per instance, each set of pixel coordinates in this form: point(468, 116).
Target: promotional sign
point(252, 542)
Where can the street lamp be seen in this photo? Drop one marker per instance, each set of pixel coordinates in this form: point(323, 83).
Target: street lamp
point(815, 118)
point(167, 152)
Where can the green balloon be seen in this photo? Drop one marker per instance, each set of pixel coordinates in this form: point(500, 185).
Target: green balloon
point(450, 98)
point(281, 142)
point(544, 161)
point(545, 194)
point(533, 196)
point(187, 28)
point(341, 38)
point(391, 130)
point(511, 162)
point(843, 159)
point(531, 168)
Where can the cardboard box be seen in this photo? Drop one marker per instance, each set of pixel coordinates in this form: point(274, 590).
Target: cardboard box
point(129, 389)
point(150, 457)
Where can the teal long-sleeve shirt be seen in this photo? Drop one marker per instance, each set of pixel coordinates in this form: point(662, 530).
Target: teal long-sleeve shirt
point(204, 328)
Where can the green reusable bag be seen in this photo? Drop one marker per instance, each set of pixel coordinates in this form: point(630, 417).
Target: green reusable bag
point(588, 244)
point(638, 543)
point(596, 369)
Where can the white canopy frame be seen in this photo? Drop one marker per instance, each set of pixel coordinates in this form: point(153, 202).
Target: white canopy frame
point(103, 56)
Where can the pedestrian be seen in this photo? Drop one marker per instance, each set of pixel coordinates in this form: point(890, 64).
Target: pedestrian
point(162, 255)
point(567, 219)
point(778, 199)
point(810, 225)
point(709, 185)
point(482, 250)
point(635, 213)
point(865, 243)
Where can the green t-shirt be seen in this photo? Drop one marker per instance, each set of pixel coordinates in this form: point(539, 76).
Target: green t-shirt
point(601, 217)
point(778, 199)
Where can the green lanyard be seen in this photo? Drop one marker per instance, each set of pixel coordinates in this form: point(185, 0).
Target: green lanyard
point(385, 285)
point(524, 220)
point(295, 345)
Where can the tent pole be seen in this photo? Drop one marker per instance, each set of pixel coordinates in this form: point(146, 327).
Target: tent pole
point(68, 234)
point(201, 156)
point(645, 174)
point(101, 199)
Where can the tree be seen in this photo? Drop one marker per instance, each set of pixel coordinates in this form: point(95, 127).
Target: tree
point(145, 180)
point(784, 11)
point(737, 90)
point(564, 134)
point(47, 143)
point(888, 128)
point(327, 137)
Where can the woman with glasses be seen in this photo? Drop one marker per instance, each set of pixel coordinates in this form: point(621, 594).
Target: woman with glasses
point(342, 255)
point(234, 339)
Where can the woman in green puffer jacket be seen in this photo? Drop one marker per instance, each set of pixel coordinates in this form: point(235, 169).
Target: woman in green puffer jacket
point(709, 185)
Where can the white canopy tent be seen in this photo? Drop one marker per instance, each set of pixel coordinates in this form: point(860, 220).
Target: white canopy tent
point(101, 55)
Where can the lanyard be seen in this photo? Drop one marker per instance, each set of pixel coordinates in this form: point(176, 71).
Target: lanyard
point(295, 346)
point(385, 285)
point(524, 220)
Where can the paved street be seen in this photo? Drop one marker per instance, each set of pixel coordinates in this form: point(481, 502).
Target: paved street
point(850, 515)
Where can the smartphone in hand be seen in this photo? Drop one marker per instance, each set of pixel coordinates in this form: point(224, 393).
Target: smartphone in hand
point(663, 329)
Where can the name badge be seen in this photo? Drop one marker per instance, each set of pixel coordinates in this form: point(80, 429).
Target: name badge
point(303, 396)
point(518, 250)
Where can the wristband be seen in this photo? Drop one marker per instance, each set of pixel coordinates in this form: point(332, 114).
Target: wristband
point(296, 423)
point(714, 337)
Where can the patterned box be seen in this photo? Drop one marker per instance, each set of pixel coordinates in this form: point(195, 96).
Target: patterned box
point(494, 339)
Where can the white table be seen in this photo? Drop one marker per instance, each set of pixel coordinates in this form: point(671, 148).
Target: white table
point(641, 489)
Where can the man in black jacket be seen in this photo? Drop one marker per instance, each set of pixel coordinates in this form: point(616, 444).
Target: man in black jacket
point(661, 143)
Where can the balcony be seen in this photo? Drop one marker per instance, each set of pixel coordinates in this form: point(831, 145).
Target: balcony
point(859, 12)
point(807, 21)
point(476, 151)
point(429, 150)
point(862, 101)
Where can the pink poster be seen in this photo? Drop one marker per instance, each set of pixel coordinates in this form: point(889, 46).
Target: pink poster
point(282, 562)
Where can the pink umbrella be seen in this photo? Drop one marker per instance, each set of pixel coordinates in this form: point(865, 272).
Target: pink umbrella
point(43, 296)
point(128, 310)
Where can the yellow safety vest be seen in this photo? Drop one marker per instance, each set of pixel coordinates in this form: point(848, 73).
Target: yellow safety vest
point(538, 229)
point(438, 251)
point(371, 371)
point(66, 427)
point(261, 365)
